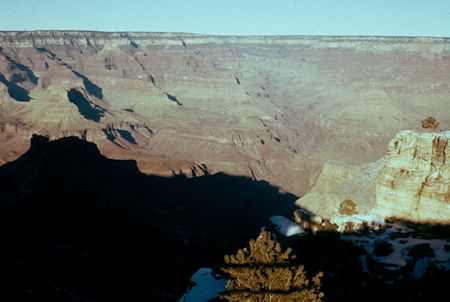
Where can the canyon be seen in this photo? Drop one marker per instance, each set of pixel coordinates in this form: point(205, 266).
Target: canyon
point(126, 157)
point(272, 108)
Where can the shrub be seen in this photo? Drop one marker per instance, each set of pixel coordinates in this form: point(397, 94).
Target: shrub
point(447, 248)
point(262, 272)
point(347, 207)
point(430, 122)
point(421, 250)
point(382, 248)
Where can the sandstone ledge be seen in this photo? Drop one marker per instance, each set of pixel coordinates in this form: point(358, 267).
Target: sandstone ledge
point(415, 180)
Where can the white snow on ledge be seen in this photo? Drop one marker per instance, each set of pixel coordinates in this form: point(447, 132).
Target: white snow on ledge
point(356, 220)
point(207, 286)
point(285, 226)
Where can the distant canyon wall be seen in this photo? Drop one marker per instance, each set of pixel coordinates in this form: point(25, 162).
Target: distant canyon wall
point(272, 108)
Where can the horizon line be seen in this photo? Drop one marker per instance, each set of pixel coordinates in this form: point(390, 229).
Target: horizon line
point(218, 35)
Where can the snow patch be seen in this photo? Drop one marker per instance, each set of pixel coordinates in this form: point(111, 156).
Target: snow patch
point(285, 226)
point(434, 175)
point(426, 136)
point(207, 286)
point(404, 132)
point(357, 221)
point(401, 245)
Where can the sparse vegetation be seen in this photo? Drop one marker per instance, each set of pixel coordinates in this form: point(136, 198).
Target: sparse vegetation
point(447, 248)
point(427, 231)
point(263, 272)
point(421, 251)
point(430, 122)
point(347, 207)
point(382, 248)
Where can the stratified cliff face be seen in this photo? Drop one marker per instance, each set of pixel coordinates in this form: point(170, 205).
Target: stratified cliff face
point(411, 182)
point(415, 181)
point(273, 108)
point(339, 181)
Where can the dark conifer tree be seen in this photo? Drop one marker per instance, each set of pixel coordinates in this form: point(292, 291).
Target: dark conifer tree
point(263, 272)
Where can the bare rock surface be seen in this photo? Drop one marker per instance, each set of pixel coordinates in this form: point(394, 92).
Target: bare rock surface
point(411, 183)
point(273, 108)
point(341, 181)
point(415, 181)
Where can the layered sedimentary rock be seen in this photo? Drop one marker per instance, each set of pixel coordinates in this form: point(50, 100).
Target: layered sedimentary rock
point(412, 182)
point(272, 108)
point(341, 181)
point(415, 181)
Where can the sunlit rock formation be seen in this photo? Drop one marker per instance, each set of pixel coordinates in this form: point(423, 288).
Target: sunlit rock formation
point(341, 181)
point(415, 181)
point(411, 183)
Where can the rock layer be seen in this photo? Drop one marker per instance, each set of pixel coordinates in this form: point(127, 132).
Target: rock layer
point(273, 108)
point(412, 182)
point(339, 181)
point(415, 181)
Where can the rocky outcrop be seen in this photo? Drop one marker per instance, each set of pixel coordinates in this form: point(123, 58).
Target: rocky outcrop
point(412, 182)
point(341, 181)
point(14, 139)
point(415, 181)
